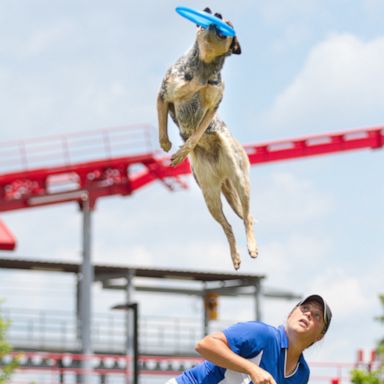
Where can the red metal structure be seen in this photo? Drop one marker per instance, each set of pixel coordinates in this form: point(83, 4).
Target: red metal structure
point(120, 161)
point(7, 240)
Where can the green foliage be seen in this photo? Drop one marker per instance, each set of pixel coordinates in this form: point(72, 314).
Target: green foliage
point(380, 347)
point(360, 376)
point(6, 369)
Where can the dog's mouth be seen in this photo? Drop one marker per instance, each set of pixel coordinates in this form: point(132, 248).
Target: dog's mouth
point(219, 34)
point(213, 27)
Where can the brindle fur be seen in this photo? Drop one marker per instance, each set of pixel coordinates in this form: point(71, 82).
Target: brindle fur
point(191, 92)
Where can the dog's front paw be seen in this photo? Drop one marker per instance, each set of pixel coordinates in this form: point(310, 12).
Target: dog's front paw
point(165, 144)
point(179, 156)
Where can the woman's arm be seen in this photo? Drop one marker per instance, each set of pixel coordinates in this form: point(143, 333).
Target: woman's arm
point(215, 348)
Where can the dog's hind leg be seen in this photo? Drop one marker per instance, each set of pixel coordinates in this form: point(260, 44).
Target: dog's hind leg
point(242, 188)
point(232, 197)
point(213, 201)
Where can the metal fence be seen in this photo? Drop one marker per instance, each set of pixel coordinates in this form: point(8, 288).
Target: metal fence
point(58, 331)
point(166, 348)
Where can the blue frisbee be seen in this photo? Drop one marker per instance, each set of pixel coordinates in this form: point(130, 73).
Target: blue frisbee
point(205, 19)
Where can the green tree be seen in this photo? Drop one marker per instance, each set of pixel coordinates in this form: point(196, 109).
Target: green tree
point(6, 369)
point(376, 376)
point(380, 347)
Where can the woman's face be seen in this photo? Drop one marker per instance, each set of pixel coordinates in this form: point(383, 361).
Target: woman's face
point(307, 321)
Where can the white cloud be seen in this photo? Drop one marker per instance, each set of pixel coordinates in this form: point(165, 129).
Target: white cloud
point(289, 200)
point(345, 294)
point(298, 255)
point(340, 84)
point(354, 301)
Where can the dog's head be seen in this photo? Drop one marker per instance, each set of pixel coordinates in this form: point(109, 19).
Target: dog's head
point(212, 43)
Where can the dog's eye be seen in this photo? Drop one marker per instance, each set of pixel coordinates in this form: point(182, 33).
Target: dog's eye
point(219, 16)
point(220, 34)
point(188, 76)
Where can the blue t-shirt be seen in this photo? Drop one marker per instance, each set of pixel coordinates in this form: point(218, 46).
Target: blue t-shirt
point(264, 345)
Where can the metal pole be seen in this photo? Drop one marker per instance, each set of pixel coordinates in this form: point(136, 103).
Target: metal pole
point(205, 312)
point(135, 308)
point(128, 326)
point(258, 315)
point(61, 371)
point(134, 361)
point(87, 276)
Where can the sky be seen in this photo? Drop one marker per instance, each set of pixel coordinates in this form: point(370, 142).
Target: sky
point(307, 67)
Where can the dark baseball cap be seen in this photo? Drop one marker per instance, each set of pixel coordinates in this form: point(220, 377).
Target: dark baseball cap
point(327, 313)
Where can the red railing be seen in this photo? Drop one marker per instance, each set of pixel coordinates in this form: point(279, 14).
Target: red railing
point(315, 145)
point(65, 150)
point(52, 368)
point(92, 164)
point(62, 169)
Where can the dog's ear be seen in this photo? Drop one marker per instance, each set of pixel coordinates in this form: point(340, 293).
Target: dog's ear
point(219, 15)
point(235, 46)
point(206, 9)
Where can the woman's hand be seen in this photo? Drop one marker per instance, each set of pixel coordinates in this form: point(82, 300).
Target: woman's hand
point(260, 376)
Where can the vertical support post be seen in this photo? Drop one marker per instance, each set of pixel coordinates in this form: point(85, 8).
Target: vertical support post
point(135, 308)
point(78, 319)
point(85, 307)
point(129, 347)
point(258, 315)
point(61, 371)
point(135, 342)
point(205, 312)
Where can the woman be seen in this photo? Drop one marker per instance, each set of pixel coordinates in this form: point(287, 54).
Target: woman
point(259, 353)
